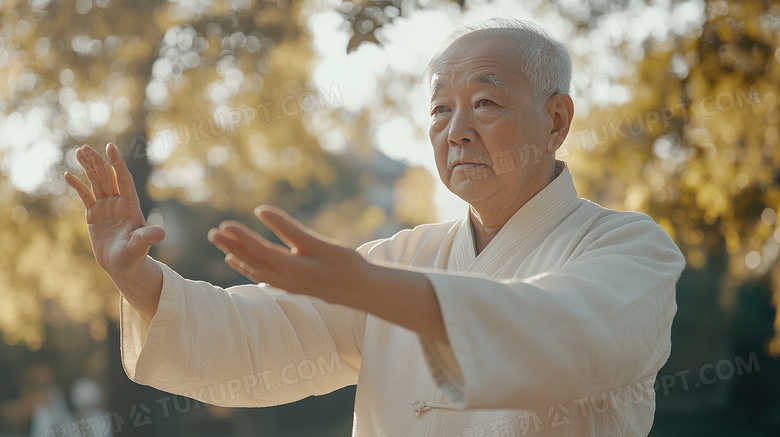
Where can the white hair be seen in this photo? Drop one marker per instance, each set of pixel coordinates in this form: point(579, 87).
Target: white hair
point(546, 64)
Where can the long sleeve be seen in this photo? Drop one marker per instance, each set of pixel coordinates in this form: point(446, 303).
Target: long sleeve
point(600, 321)
point(243, 346)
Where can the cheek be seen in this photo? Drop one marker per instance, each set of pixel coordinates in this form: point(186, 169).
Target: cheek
point(511, 135)
point(438, 125)
point(440, 155)
point(440, 151)
point(438, 136)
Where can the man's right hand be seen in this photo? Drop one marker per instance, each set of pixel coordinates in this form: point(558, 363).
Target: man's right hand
point(120, 237)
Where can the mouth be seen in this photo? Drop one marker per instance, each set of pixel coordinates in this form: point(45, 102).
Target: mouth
point(465, 165)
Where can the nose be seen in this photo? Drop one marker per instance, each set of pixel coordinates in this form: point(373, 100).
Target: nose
point(461, 129)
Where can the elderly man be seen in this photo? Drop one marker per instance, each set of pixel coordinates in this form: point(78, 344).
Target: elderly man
point(537, 314)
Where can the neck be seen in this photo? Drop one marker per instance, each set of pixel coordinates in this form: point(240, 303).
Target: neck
point(487, 220)
point(484, 228)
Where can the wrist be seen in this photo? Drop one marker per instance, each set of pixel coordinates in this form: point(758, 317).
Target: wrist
point(135, 275)
point(141, 288)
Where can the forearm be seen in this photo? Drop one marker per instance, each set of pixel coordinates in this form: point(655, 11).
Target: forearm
point(402, 297)
point(142, 290)
point(330, 272)
point(263, 331)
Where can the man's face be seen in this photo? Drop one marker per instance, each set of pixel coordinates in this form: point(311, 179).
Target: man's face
point(488, 142)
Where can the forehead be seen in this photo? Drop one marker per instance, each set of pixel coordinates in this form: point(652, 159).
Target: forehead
point(489, 60)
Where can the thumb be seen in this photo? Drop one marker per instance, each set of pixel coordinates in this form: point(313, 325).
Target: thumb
point(143, 238)
point(295, 235)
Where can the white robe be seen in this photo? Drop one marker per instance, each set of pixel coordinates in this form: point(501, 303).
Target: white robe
point(557, 328)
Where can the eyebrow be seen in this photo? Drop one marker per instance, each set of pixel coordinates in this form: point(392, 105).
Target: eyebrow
point(436, 86)
point(490, 79)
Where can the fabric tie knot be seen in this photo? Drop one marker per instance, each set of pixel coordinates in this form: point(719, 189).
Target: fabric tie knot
point(420, 407)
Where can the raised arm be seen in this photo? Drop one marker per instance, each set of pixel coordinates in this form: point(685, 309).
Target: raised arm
point(120, 236)
point(245, 346)
point(316, 267)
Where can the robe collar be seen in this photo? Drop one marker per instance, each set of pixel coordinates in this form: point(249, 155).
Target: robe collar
point(536, 217)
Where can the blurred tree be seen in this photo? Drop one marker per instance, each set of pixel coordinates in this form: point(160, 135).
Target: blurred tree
point(124, 71)
point(695, 146)
point(208, 101)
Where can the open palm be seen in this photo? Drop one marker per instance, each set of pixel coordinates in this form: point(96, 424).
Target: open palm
point(119, 234)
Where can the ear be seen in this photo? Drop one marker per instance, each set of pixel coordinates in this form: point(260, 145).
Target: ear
point(560, 110)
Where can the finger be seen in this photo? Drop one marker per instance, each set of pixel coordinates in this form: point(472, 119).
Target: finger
point(224, 242)
point(105, 173)
point(142, 240)
point(251, 249)
point(258, 254)
point(254, 270)
point(87, 198)
point(241, 267)
point(82, 156)
point(241, 233)
point(290, 231)
point(123, 177)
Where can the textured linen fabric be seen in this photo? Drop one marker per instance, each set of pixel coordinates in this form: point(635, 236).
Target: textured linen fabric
point(557, 328)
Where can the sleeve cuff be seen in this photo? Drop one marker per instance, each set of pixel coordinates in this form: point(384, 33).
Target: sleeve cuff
point(449, 363)
point(139, 339)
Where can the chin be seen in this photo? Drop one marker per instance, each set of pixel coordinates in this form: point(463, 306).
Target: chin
point(469, 195)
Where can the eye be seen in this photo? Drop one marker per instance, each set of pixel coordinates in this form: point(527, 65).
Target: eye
point(439, 109)
point(483, 102)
